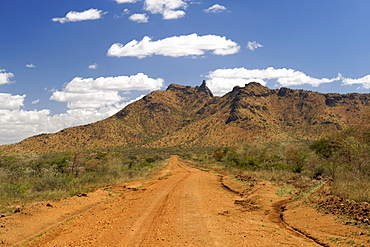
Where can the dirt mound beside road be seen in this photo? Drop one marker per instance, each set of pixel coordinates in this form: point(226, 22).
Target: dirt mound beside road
point(339, 206)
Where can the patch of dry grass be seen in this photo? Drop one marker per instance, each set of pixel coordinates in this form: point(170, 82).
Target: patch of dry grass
point(25, 180)
point(355, 189)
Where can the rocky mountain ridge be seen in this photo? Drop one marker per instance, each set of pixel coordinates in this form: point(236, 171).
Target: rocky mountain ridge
point(191, 117)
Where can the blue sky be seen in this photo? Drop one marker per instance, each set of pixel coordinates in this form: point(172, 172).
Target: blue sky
point(70, 62)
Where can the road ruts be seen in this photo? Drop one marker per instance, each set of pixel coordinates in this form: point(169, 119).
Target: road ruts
point(188, 207)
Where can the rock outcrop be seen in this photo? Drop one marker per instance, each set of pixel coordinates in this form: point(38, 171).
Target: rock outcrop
point(205, 89)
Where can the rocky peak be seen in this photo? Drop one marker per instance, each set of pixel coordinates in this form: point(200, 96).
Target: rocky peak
point(205, 89)
point(252, 89)
point(175, 87)
point(185, 90)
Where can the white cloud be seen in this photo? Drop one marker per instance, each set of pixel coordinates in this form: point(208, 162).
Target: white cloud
point(253, 45)
point(127, 1)
point(5, 77)
point(169, 14)
point(365, 81)
point(223, 80)
point(139, 18)
point(15, 125)
point(216, 8)
point(124, 12)
point(30, 65)
point(89, 100)
point(167, 8)
point(35, 102)
point(92, 93)
point(74, 117)
point(176, 46)
point(73, 16)
point(93, 66)
point(11, 102)
point(85, 100)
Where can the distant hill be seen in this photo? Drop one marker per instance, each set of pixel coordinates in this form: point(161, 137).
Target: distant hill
point(184, 116)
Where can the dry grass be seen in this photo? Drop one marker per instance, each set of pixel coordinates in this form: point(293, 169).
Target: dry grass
point(354, 189)
point(25, 180)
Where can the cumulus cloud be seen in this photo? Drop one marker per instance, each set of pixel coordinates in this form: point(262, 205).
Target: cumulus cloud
point(85, 100)
point(35, 102)
point(89, 100)
point(92, 93)
point(176, 46)
point(127, 1)
point(5, 77)
point(139, 18)
point(93, 66)
point(16, 125)
point(11, 102)
point(364, 81)
point(173, 14)
point(30, 65)
point(223, 80)
point(253, 45)
point(73, 16)
point(169, 9)
point(216, 8)
point(124, 13)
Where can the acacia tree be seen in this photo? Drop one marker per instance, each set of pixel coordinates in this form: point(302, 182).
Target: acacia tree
point(328, 151)
point(76, 161)
point(349, 150)
point(296, 158)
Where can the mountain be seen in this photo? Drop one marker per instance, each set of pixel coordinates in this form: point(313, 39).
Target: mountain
point(184, 116)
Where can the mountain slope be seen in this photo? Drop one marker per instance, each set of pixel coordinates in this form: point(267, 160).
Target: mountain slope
point(191, 117)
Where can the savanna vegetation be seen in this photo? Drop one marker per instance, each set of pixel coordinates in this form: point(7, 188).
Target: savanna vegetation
point(342, 159)
point(30, 178)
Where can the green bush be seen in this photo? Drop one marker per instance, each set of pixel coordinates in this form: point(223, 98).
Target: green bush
point(318, 171)
point(150, 159)
point(14, 190)
point(53, 176)
point(52, 182)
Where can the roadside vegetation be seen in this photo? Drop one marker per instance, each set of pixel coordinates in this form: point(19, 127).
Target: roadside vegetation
point(31, 178)
point(341, 159)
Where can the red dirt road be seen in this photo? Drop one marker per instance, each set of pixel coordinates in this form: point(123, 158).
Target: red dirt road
point(183, 206)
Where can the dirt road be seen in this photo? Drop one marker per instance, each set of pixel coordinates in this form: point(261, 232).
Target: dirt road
point(182, 206)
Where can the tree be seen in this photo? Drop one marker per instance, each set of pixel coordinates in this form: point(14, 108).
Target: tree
point(296, 158)
point(325, 147)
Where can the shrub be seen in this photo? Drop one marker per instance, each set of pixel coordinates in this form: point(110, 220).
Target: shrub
point(318, 171)
point(325, 147)
point(218, 155)
point(150, 159)
point(14, 190)
point(52, 182)
point(296, 158)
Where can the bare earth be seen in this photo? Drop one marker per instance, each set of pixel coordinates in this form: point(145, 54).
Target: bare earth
point(181, 206)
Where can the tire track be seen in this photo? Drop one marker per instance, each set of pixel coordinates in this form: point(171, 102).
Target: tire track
point(188, 208)
point(153, 209)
